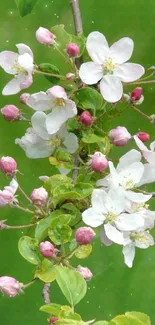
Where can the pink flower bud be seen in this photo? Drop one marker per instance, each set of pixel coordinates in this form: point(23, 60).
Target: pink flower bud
point(6, 197)
point(8, 165)
point(85, 272)
point(99, 162)
point(136, 94)
point(86, 118)
point(119, 136)
point(39, 196)
point(53, 320)
point(10, 112)
point(70, 76)
point(143, 136)
point(24, 97)
point(84, 235)
point(47, 249)
point(72, 49)
point(44, 36)
point(9, 286)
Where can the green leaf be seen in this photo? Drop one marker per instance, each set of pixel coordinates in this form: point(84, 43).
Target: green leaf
point(141, 316)
point(93, 138)
point(41, 230)
point(88, 98)
point(59, 231)
point(55, 181)
point(83, 251)
point(52, 309)
point(125, 320)
point(25, 6)
point(64, 156)
point(84, 189)
point(76, 214)
point(28, 248)
point(64, 192)
point(46, 272)
point(105, 146)
point(62, 37)
point(101, 322)
point(48, 67)
point(70, 322)
point(71, 283)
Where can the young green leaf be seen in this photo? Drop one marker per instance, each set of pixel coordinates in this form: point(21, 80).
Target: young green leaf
point(55, 181)
point(84, 189)
point(52, 309)
point(125, 320)
point(71, 283)
point(28, 248)
point(64, 192)
point(62, 37)
point(59, 231)
point(93, 138)
point(141, 316)
point(101, 322)
point(25, 6)
point(88, 98)
point(46, 272)
point(50, 68)
point(41, 230)
point(83, 251)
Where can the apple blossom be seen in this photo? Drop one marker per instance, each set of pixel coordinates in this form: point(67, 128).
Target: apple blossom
point(9, 286)
point(85, 272)
point(72, 49)
point(39, 196)
point(38, 143)
point(143, 136)
point(10, 112)
point(84, 235)
point(20, 65)
point(148, 154)
point(70, 76)
point(109, 65)
point(8, 165)
point(7, 195)
point(24, 97)
point(86, 118)
point(119, 136)
point(47, 249)
point(98, 162)
point(54, 99)
point(44, 36)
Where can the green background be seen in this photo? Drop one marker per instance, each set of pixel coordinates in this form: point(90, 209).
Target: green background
point(114, 288)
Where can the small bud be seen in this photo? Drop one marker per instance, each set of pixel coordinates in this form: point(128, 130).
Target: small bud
point(70, 76)
point(85, 272)
point(44, 36)
point(6, 197)
point(72, 49)
point(39, 196)
point(86, 118)
point(99, 162)
point(152, 118)
point(119, 136)
point(143, 136)
point(84, 235)
point(47, 249)
point(136, 94)
point(53, 320)
point(10, 112)
point(23, 98)
point(8, 165)
point(9, 286)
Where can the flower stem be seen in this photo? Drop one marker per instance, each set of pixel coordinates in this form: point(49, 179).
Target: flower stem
point(23, 209)
point(141, 82)
point(25, 286)
point(22, 191)
point(18, 227)
point(139, 111)
point(49, 74)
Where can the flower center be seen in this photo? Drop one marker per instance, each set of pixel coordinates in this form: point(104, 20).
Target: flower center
point(55, 142)
point(18, 67)
point(60, 102)
point(109, 66)
point(110, 217)
point(140, 237)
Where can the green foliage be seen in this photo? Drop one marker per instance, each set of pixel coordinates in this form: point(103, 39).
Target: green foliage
point(62, 159)
point(46, 271)
point(64, 192)
point(88, 98)
point(50, 68)
point(28, 248)
point(25, 6)
point(72, 209)
point(70, 322)
point(84, 189)
point(141, 316)
point(93, 138)
point(41, 230)
point(127, 320)
point(52, 309)
point(71, 283)
point(55, 181)
point(83, 251)
point(59, 231)
point(67, 312)
point(101, 322)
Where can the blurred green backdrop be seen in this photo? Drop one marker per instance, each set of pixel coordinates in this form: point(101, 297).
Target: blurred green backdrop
point(114, 288)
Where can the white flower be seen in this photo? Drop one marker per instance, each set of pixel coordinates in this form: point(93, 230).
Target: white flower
point(149, 155)
point(107, 209)
point(20, 65)
point(56, 99)
point(109, 65)
point(37, 143)
point(7, 195)
point(141, 239)
point(130, 173)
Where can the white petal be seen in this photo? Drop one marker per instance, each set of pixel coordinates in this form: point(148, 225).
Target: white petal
point(129, 221)
point(92, 218)
point(71, 142)
point(139, 143)
point(137, 197)
point(128, 72)
point(129, 255)
point(60, 115)
point(148, 175)
point(111, 88)
point(39, 101)
point(90, 73)
point(149, 156)
point(8, 61)
point(14, 185)
point(104, 239)
point(122, 50)
point(131, 175)
point(129, 158)
point(13, 86)
point(152, 146)
point(22, 49)
point(114, 180)
point(113, 234)
point(104, 182)
point(98, 199)
point(38, 120)
point(57, 92)
point(26, 62)
point(117, 198)
point(97, 47)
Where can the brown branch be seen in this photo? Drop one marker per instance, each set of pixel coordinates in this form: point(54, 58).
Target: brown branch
point(46, 293)
point(4, 226)
point(77, 16)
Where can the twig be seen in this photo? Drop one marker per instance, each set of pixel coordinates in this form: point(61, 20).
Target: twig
point(46, 293)
point(77, 23)
point(17, 227)
point(26, 196)
point(75, 171)
point(140, 112)
point(21, 208)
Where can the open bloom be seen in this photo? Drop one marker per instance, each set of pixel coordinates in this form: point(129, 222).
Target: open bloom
point(108, 209)
point(20, 65)
point(130, 173)
point(109, 65)
point(148, 154)
point(119, 136)
point(38, 143)
point(54, 99)
point(7, 195)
